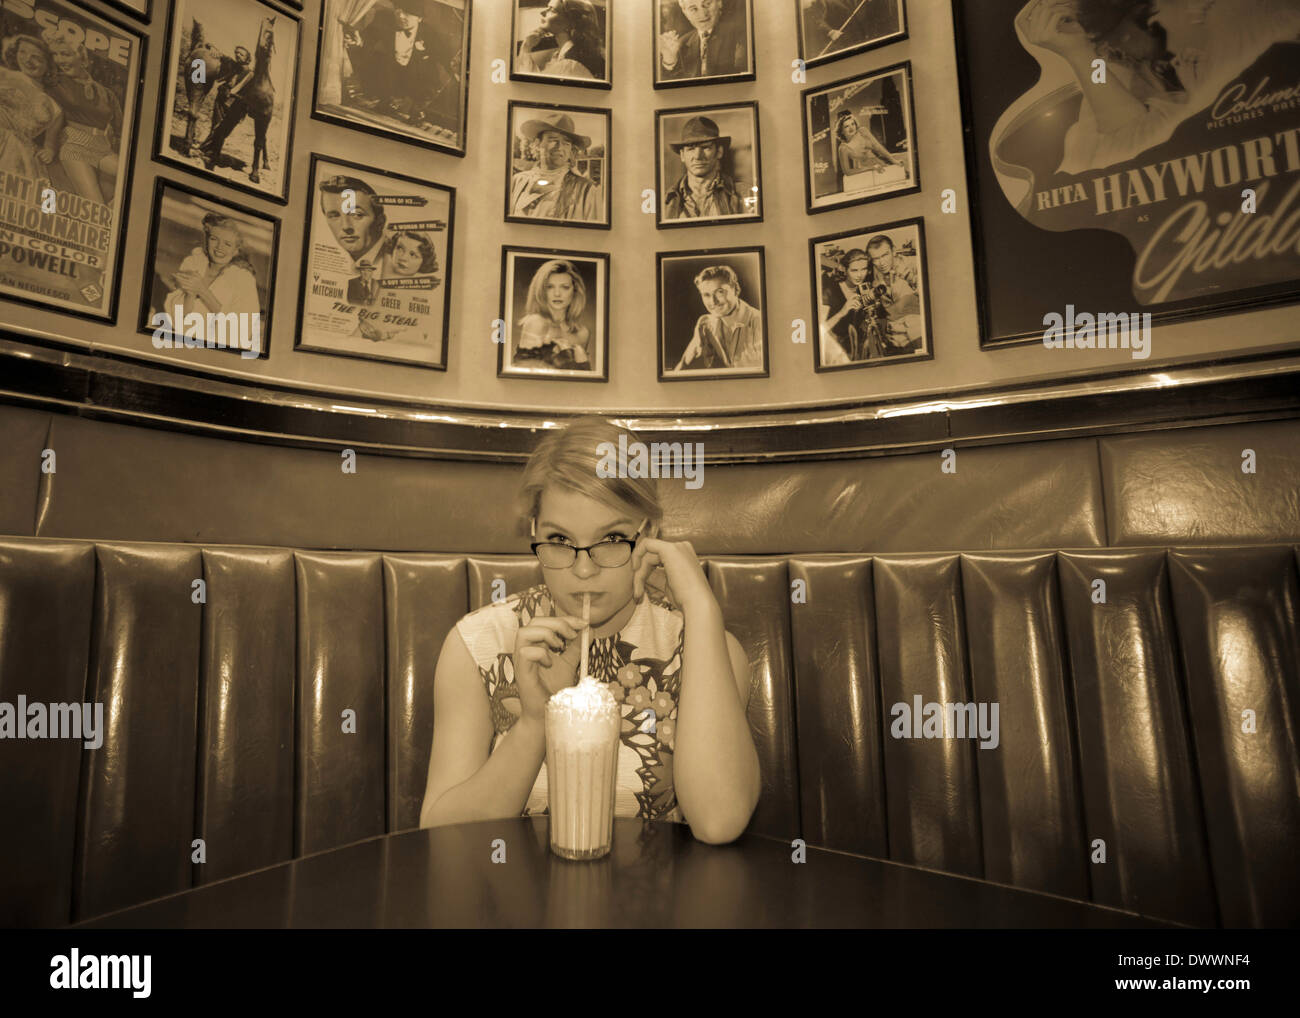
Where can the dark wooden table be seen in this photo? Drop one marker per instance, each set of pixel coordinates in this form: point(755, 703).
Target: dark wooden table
point(657, 875)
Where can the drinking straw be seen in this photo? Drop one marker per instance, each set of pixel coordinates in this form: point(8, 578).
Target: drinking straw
point(586, 634)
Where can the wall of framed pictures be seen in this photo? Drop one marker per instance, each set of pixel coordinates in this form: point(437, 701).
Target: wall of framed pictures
point(694, 204)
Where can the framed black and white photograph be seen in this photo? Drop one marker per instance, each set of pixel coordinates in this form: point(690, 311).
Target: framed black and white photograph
point(558, 165)
point(831, 29)
point(209, 275)
point(561, 42)
point(709, 167)
point(712, 314)
point(228, 95)
point(871, 297)
point(69, 106)
point(396, 68)
point(554, 315)
point(376, 265)
point(859, 138)
point(702, 42)
point(1128, 197)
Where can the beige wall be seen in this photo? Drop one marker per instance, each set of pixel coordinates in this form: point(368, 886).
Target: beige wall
point(480, 232)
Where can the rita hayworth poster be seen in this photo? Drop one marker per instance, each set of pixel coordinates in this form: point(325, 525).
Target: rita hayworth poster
point(1132, 155)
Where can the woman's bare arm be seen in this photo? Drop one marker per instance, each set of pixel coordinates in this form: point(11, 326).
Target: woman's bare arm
point(465, 783)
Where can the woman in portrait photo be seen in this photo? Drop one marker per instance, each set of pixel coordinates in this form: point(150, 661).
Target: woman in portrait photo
point(216, 277)
point(403, 254)
point(850, 333)
point(92, 125)
point(551, 330)
point(858, 149)
point(408, 253)
point(27, 111)
point(569, 43)
point(1168, 59)
point(599, 534)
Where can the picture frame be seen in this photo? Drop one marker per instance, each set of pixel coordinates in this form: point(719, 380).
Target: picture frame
point(249, 107)
point(870, 290)
point(188, 229)
point(1047, 193)
point(859, 137)
point(719, 333)
point(728, 54)
point(862, 25)
point(539, 134)
point(534, 342)
point(376, 266)
point(562, 42)
point(709, 136)
point(66, 260)
point(424, 101)
point(142, 9)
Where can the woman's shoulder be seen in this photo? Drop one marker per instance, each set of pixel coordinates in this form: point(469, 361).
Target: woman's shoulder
point(490, 630)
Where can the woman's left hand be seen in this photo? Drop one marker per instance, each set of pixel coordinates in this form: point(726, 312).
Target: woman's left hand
point(687, 584)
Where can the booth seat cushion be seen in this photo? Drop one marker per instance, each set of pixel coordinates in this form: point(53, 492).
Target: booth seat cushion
point(1146, 753)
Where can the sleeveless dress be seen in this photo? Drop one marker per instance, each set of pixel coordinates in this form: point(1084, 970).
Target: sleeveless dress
point(641, 665)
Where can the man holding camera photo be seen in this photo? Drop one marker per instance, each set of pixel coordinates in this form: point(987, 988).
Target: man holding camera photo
point(875, 310)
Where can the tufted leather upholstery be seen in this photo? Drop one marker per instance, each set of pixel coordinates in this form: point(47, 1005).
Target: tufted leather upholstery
point(1121, 721)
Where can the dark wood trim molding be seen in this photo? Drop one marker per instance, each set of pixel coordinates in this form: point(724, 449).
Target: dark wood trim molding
point(123, 390)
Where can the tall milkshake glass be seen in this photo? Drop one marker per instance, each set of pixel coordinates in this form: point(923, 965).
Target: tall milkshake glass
point(582, 740)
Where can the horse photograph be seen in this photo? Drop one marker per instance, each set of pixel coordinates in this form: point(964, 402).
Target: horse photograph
point(228, 105)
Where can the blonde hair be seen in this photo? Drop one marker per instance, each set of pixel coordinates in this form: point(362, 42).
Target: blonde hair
point(568, 457)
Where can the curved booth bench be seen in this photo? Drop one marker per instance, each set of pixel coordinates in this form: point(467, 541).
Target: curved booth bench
point(1129, 604)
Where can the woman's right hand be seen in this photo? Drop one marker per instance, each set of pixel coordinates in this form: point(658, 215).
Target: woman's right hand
point(540, 646)
point(1054, 25)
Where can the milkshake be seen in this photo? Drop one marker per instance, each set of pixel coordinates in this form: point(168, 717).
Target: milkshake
point(582, 740)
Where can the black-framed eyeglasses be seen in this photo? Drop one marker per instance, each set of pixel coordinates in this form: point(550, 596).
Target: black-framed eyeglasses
point(608, 554)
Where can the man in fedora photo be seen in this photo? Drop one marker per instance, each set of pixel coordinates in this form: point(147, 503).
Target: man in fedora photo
point(552, 189)
point(703, 191)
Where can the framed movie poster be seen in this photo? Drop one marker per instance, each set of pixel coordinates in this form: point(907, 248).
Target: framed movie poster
point(376, 265)
point(228, 94)
point(555, 310)
point(1171, 189)
point(142, 9)
point(210, 273)
point(859, 137)
point(712, 314)
point(871, 297)
point(69, 106)
point(831, 29)
point(558, 165)
point(708, 169)
point(398, 68)
point(561, 42)
point(702, 42)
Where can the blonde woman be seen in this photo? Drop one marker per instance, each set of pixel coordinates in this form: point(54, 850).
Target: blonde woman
point(92, 120)
point(551, 330)
point(662, 653)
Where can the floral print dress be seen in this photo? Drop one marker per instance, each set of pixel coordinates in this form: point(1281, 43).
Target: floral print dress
point(641, 665)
